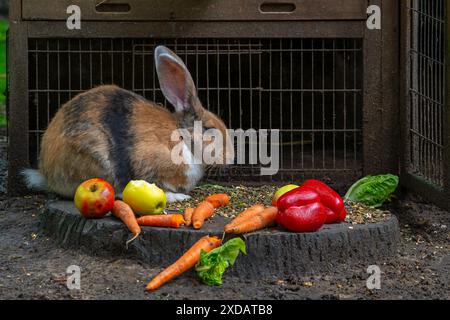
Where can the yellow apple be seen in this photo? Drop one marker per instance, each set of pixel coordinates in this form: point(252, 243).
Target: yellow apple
point(144, 198)
point(282, 191)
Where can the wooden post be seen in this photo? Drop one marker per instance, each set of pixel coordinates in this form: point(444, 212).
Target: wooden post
point(17, 99)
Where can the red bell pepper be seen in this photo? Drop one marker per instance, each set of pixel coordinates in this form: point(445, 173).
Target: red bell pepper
point(307, 218)
point(330, 199)
point(332, 217)
point(297, 197)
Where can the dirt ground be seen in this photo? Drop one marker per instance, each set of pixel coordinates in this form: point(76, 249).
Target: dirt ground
point(32, 266)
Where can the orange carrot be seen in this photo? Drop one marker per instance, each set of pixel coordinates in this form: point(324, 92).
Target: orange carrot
point(188, 216)
point(124, 212)
point(164, 221)
point(203, 211)
point(262, 220)
point(185, 262)
point(245, 215)
point(218, 200)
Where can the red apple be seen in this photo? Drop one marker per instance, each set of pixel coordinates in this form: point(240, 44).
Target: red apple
point(94, 198)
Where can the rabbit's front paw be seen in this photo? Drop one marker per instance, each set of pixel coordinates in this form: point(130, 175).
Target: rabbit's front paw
point(176, 197)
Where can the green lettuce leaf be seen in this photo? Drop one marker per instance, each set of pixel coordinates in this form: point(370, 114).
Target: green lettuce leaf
point(373, 191)
point(213, 265)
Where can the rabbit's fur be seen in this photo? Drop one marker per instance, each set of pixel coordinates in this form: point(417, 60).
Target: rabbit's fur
point(114, 134)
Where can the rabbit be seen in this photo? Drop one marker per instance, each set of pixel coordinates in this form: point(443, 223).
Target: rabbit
point(115, 134)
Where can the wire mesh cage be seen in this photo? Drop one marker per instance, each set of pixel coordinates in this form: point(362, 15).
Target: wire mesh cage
point(426, 110)
point(316, 77)
point(309, 89)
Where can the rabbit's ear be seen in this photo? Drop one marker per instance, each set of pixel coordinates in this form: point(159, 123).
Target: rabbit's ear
point(174, 78)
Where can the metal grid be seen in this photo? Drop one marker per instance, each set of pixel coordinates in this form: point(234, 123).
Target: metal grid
point(427, 90)
point(309, 89)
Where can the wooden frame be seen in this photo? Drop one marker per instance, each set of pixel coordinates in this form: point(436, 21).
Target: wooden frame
point(199, 10)
point(322, 19)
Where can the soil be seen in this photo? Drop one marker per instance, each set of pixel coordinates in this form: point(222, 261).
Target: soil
point(32, 266)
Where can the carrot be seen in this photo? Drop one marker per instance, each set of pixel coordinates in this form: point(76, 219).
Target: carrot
point(245, 215)
point(218, 200)
point(188, 216)
point(185, 262)
point(262, 220)
point(164, 221)
point(123, 211)
point(203, 211)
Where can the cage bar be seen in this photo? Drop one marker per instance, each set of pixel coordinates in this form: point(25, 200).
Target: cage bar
point(426, 106)
point(237, 79)
point(427, 89)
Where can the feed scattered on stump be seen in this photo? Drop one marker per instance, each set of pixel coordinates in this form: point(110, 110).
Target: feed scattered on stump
point(361, 214)
point(243, 197)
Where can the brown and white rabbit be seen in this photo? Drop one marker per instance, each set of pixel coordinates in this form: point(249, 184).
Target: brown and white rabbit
point(114, 134)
